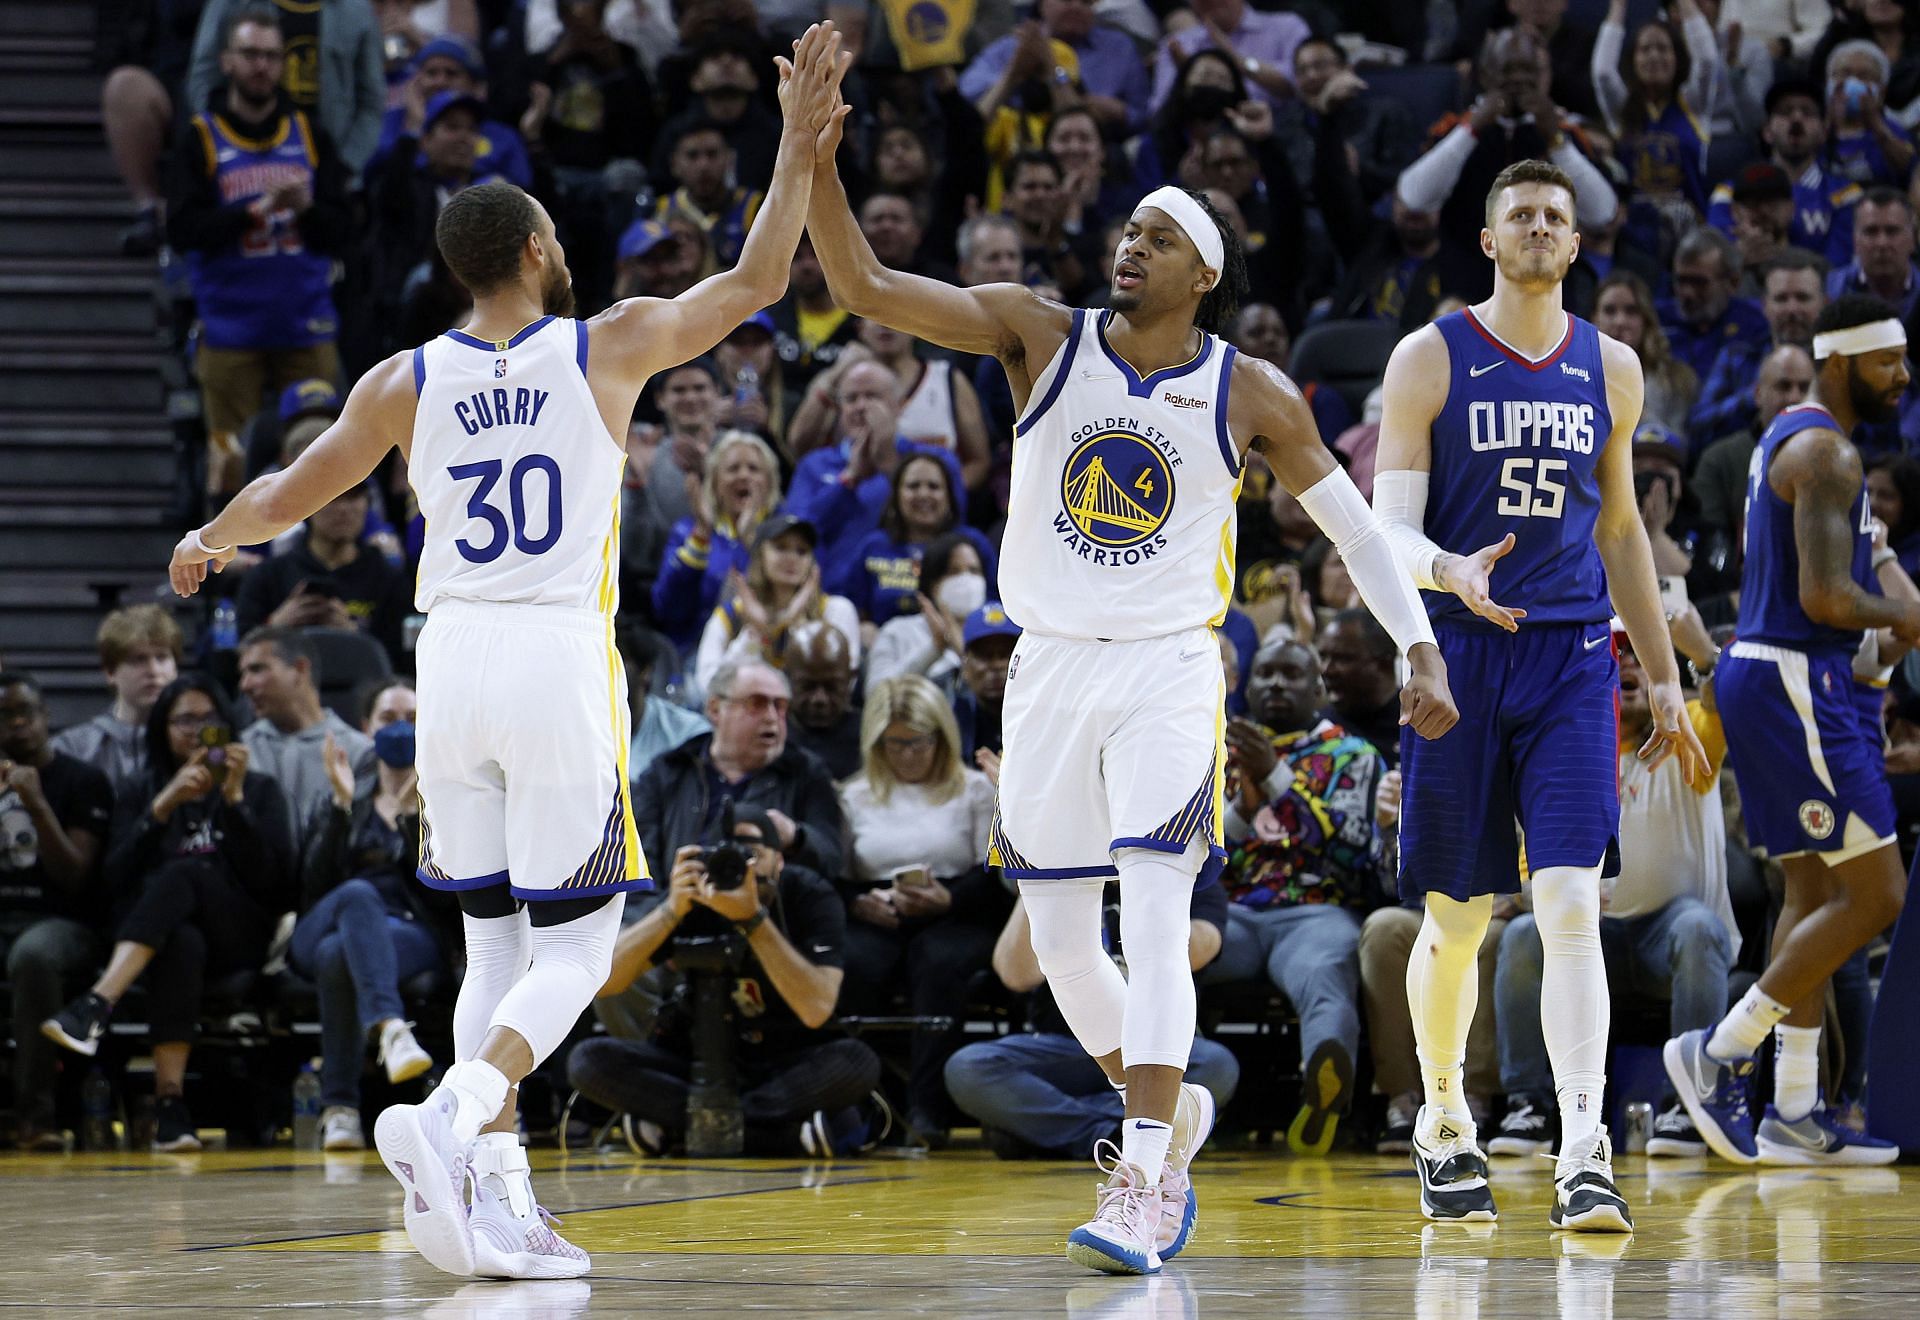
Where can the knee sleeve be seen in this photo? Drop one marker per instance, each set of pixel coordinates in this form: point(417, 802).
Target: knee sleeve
point(498, 951)
point(569, 965)
point(1064, 925)
point(1574, 1008)
point(1156, 916)
point(1443, 977)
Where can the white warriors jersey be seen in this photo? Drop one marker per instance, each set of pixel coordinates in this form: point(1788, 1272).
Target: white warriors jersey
point(1120, 523)
point(516, 475)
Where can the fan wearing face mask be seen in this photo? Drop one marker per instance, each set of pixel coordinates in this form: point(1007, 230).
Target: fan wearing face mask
point(882, 577)
point(952, 585)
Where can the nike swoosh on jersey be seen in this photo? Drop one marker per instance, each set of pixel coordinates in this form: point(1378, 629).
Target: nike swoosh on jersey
point(1477, 372)
point(1592, 642)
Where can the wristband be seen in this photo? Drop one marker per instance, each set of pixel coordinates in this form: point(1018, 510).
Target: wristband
point(751, 924)
point(200, 544)
point(1884, 556)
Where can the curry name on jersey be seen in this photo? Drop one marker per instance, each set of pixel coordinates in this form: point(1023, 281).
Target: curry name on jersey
point(1120, 522)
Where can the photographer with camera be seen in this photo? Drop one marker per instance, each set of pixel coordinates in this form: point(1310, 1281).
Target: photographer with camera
point(775, 931)
point(204, 871)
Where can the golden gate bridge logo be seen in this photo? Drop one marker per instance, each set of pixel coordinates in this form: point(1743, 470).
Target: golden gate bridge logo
point(1117, 488)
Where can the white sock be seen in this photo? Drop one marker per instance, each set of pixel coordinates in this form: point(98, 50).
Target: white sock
point(1443, 989)
point(1745, 1026)
point(480, 1090)
point(1796, 1071)
point(500, 1163)
point(1575, 1010)
point(1143, 1144)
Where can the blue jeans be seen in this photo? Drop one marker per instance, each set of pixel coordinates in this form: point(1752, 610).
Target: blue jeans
point(357, 953)
point(1311, 952)
point(1047, 1091)
point(1680, 953)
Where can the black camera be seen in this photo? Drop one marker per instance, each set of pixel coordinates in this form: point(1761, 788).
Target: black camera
point(728, 863)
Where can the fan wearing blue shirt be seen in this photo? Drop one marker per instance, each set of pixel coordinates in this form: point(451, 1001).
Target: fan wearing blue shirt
point(451, 63)
point(1704, 316)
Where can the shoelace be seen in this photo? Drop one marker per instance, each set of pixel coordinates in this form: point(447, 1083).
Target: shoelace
point(542, 1238)
point(1596, 1158)
point(1457, 1156)
point(1122, 1199)
point(1730, 1088)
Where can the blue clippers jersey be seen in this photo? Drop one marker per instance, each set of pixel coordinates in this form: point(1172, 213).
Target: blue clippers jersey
point(1770, 582)
point(267, 291)
point(1515, 450)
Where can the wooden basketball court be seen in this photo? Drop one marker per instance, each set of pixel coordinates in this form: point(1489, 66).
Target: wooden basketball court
point(959, 1234)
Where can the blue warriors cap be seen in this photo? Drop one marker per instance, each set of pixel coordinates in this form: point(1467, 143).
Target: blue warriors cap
point(761, 320)
point(988, 621)
point(309, 398)
point(455, 48)
point(445, 101)
point(642, 237)
point(1656, 440)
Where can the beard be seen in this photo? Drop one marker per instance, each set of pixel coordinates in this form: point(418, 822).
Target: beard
point(1534, 269)
point(1869, 404)
point(557, 298)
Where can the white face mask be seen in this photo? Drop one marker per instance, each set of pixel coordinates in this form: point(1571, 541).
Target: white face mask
point(961, 594)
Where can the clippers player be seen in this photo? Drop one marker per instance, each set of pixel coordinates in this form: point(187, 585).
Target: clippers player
point(512, 430)
point(1509, 426)
point(1811, 775)
point(1118, 563)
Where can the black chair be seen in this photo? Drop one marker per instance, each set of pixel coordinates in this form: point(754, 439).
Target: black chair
point(1349, 356)
point(347, 659)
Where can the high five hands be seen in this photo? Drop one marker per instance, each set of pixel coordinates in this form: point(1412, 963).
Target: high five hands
point(810, 87)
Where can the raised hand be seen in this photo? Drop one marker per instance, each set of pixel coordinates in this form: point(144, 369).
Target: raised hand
point(810, 82)
point(1466, 576)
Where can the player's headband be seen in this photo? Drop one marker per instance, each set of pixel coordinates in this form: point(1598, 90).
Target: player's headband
point(1855, 339)
point(1194, 222)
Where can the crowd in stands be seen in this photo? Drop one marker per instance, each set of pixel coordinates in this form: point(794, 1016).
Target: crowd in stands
point(808, 563)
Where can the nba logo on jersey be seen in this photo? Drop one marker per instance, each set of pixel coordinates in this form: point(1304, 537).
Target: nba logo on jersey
point(1116, 490)
point(499, 368)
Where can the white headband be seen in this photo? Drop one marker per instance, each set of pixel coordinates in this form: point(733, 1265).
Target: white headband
point(1868, 338)
point(1193, 222)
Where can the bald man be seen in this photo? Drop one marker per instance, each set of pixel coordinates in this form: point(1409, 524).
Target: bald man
point(1720, 481)
point(823, 718)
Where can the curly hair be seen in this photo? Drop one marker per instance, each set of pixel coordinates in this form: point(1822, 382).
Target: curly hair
point(1220, 304)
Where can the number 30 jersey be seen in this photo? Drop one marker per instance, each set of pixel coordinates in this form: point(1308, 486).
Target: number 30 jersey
point(516, 475)
point(1120, 521)
point(1516, 449)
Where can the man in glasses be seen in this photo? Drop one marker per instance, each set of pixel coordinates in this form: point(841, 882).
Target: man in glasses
point(747, 757)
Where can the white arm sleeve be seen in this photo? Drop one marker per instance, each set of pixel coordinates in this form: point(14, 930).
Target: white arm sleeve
point(1428, 181)
point(1334, 503)
point(1594, 198)
point(1400, 503)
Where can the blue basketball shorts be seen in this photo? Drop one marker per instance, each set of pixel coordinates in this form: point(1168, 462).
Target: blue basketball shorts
point(1536, 749)
point(1811, 776)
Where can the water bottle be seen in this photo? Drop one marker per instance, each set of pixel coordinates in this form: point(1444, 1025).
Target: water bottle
point(96, 1107)
point(746, 383)
point(226, 625)
point(306, 1109)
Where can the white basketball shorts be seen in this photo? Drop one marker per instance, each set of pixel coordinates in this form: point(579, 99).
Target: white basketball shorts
point(522, 753)
point(1110, 745)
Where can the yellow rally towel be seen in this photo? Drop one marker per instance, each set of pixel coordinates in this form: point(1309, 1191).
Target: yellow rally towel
point(929, 33)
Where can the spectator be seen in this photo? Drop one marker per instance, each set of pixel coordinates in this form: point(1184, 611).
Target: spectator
point(1568, 47)
point(147, 70)
point(660, 723)
point(1792, 302)
point(941, 410)
point(793, 1072)
point(271, 432)
point(280, 675)
point(677, 800)
point(1720, 479)
point(1864, 144)
point(1893, 490)
point(750, 367)
point(207, 869)
point(452, 63)
point(54, 814)
point(1796, 138)
point(844, 488)
point(666, 464)
point(1704, 315)
point(1659, 459)
point(1384, 139)
point(824, 719)
point(417, 179)
point(1601, 254)
point(652, 261)
point(1100, 186)
point(1037, 1092)
point(780, 590)
point(139, 648)
point(338, 75)
point(1399, 272)
point(740, 490)
point(895, 228)
point(1762, 221)
point(980, 692)
point(1654, 93)
point(330, 578)
point(1515, 118)
point(1209, 87)
point(882, 578)
point(1260, 42)
point(1360, 668)
point(1624, 309)
point(1260, 331)
point(1882, 262)
point(1275, 537)
point(723, 78)
point(701, 166)
point(923, 907)
point(647, 29)
point(258, 201)
point(1117, 89)
point(810, 328)
point(1788, 30)
point(1737, 106)
point(1667, 929)
point(926, 641)
point(366, 927)
point(1036, 202)
point(1300, 871)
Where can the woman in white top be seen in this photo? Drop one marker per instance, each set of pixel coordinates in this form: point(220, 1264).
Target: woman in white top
point(758, 613)
point(925, 910)
point(953, 584)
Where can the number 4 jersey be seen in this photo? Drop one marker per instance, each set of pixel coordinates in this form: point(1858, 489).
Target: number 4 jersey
point(1515, 449)
point(516, 474)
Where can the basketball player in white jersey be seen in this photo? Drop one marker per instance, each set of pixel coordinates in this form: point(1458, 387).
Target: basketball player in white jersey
point(512, 430)
point(1118, 563)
